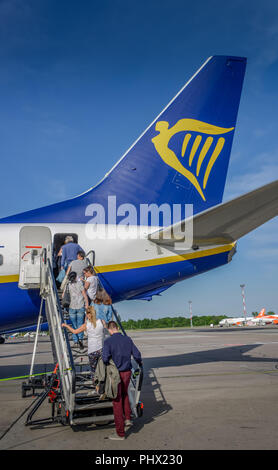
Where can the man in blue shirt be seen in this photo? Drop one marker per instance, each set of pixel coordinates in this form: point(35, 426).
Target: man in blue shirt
point(120, 348)
point(69, 252)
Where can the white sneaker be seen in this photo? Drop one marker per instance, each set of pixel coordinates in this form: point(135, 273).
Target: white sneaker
point(116, 437)
point(128, 423)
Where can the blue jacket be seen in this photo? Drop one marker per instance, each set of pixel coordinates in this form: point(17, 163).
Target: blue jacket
point(69, 253)
point(103, 312)
point(99, 311)
point(120, 348)
point(108, 312)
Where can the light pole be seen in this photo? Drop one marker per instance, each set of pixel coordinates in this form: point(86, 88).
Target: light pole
point(190, 312)
point(243, 300)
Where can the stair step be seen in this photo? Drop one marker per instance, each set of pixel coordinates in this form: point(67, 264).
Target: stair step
point(94, 406)
point(83, 387)
point(105, 419)
point(84, 394)
point(87, 384)
point(84, 383)
point(83, 372)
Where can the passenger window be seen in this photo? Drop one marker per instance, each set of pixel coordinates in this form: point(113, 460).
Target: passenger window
point(1, 260)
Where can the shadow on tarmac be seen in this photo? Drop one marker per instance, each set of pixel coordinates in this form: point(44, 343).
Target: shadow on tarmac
point(20, 370)
point(152, 393)
point(154, 399)
point(228, 354)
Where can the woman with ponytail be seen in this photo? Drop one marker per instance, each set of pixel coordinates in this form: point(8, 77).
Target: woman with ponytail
point(95, 331)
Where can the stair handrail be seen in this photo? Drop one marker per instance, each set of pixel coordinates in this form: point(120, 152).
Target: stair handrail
point(61, 349)
point(64, 330)
point(94, 257)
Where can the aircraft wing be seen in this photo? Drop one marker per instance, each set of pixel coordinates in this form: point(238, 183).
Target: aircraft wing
point(226, 222)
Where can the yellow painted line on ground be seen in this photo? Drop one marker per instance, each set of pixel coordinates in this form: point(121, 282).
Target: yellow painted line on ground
point(165, 260)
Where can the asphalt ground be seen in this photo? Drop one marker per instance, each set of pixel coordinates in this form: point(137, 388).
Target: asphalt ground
point(203, 389)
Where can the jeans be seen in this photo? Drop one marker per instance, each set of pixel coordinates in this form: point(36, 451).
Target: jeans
point(77, 317)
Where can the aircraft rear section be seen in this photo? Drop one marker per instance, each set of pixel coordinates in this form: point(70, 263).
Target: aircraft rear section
point(141, 280)
point(181, 158)
point(70, 391)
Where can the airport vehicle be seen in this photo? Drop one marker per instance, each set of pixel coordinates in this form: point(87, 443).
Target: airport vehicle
point(180, 160)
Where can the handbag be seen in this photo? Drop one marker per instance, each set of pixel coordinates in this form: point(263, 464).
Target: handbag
point(63, 284)
point(61, 275)
point(66, 298)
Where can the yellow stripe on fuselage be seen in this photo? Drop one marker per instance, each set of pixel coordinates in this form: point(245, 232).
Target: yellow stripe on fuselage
point(144, 264)
point(10, 278)
point(165, 260)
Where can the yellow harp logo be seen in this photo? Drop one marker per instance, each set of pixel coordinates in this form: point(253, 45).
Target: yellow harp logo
point(162, 140)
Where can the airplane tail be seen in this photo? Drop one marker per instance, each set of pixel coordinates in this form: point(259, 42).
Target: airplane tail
point(262, 313)
point(183, 156)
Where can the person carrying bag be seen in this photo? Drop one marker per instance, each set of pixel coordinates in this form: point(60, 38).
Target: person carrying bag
point(75, 296)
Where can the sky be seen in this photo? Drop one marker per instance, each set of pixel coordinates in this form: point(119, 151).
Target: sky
point(80, 81)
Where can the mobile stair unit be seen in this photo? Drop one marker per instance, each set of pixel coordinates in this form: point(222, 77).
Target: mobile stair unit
point(70, 391)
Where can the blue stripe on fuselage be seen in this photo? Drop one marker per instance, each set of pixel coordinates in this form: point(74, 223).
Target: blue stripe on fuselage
point(20, 308)
point(126, 284)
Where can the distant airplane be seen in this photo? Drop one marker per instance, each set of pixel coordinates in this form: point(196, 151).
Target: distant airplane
point(180, 160)
point(260, 319)
point(263, 319)
point(237, 321)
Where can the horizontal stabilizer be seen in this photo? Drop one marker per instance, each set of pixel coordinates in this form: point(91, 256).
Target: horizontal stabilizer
point(227, 222)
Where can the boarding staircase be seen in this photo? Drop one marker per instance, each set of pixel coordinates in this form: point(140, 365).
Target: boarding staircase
point(73, 395)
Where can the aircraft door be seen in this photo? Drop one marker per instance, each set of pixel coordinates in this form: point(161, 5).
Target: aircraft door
point(32, 241)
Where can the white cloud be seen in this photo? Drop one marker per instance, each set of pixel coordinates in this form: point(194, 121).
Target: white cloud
point(262, 244)
point(265, 171)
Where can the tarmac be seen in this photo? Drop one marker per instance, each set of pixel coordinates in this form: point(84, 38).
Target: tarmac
point(204, 388)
